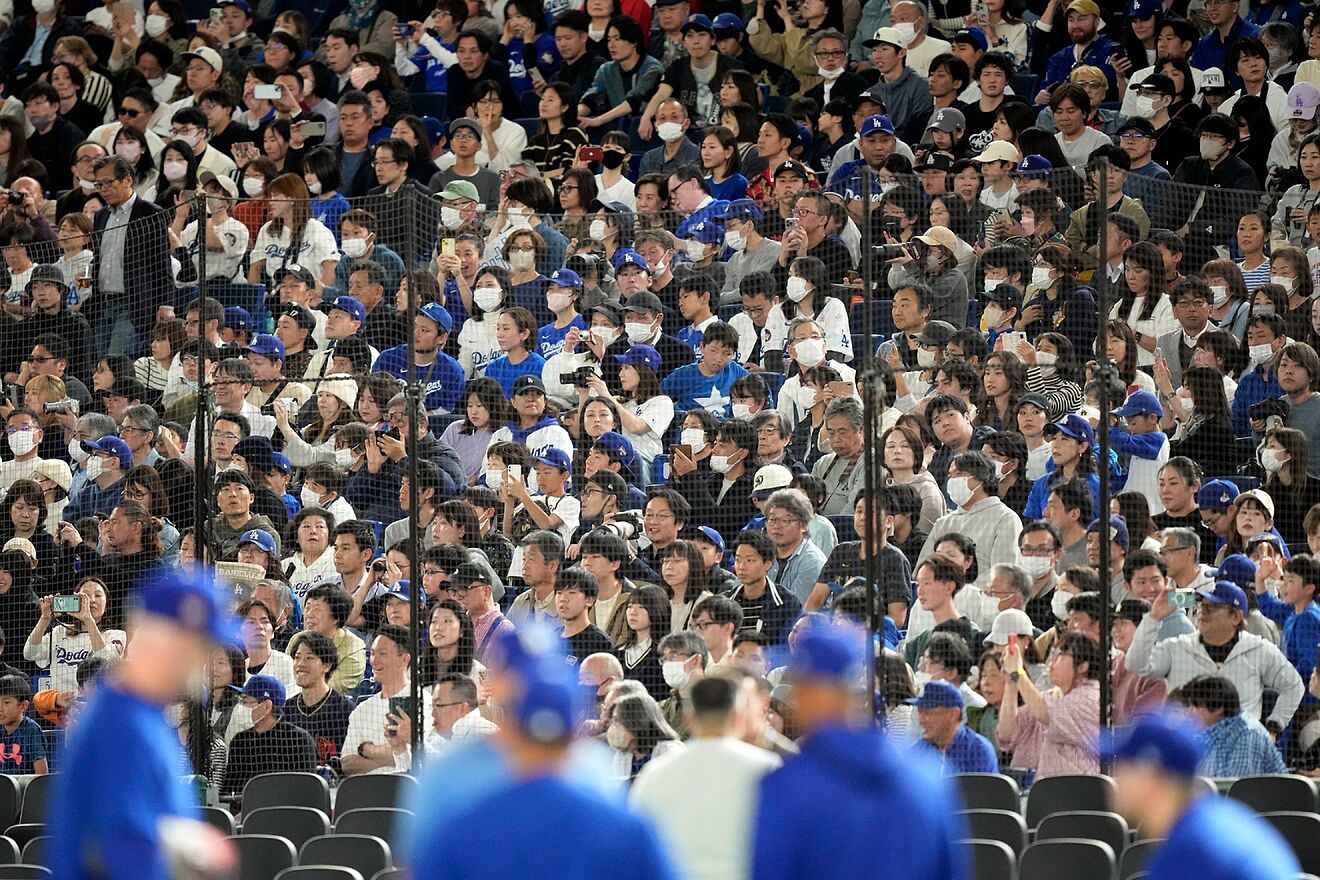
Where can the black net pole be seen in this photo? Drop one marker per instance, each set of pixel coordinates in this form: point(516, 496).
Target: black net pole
point(870, 390)
point(200, 725)
point(415, 406)
point(1104, 372)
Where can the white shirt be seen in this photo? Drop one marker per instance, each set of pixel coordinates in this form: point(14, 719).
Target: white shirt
point(227, 262)
point(832, 316)
point(701, 800)
point(367, 724)
point(304, 577)
point(279, 665)
point(69, 652)
point(477, 345)
point(318, 246)
point(1079, 150)
point(624, 191)
point(658, 412)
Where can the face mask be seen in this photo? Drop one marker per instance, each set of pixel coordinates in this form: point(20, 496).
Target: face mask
point(1277, 56)
point(345, 458)
point(43, 7)
point(175, 170)
point(1028, 225)
point(605, 335)
point(557, 302)
point(1261, 353)
point(1220, 294)
point(921, 679)
point(40, 122)
point(1188, 406)
point(87, 185)
point(658, 269)
point(1059, 604)
point(94, 467)
point(696, 250)
point(595, 35)
point(488, 299)
point(669, 131)
point(993, 316)
point(521, 261)
point(617, 737)
point(613, 159)
point(359, 77)
point(23, 442)
point(829, 74)
point(598, 230)
point(354, 248)
point(315, 189)
point(806, 397)
point(1045, 359)
point(156, 25)
point(960, 490)
point(808, 352)
point(1001, 470)
point(518, 218)
point(675, 675)
point(637, 331)
point(1037, 566)
point(1145, 107)
point(694, 437)
point(742, 411)
point(735, 240)
point(1286, 283)
point(796, 288)
point(721, 464)
point(309, 498)
point(77, 453)
point(452, 218)
point(154, 81)
point(991, 285)
point(242, 717)
point(907, 30)
point(1210, 149)
point(925, 357)
point(1271, 460)
point(493, 478)
point(1040, 277)
point(252, 186)
point(129, 150)
point(934, 263)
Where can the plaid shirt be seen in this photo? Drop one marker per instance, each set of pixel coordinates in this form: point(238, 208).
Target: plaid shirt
point(1067, 743)
point(1237, 747)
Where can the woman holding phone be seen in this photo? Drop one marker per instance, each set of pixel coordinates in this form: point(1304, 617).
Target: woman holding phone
point(76, 633)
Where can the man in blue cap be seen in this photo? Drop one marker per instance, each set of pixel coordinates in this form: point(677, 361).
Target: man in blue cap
point(751, 251)
point(238, 325)
point(851, 773)
point(440, 374)
point(1204, 837)
point(876, 140)
point(517, 777)
point(343, 320)
point(271, 743)
point(960, 749)
point(1213, 501)
point(124, 811)
point(1141, 439)
point(266, 358)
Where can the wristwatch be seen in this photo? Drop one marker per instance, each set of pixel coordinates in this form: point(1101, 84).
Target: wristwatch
point(362, 750)
point(1014, 676)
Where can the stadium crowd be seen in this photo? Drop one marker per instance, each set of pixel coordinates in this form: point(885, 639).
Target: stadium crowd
point(632, 234)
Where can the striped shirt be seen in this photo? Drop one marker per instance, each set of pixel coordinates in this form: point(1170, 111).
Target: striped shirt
point(1066, 744)
point(1255, 277)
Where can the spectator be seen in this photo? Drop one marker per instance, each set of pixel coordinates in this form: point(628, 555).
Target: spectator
point(1235, 745)
point(960, 749)
point(271, 741)
point(366, 750)
point(1054, 733)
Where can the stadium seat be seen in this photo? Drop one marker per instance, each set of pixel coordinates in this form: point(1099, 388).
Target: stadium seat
point(439, 422)
point(1302, 831)
point(35, 796)
point(1276, 793)
point(361, 852)
point(11, 801)
point(250, 296)
point(973, 313)
point(1134, 858)
point(220, 819)
point(362, 792)
point(25, 872)
point(1026, 85)
point(297, 824)
point(286, 790)
point(1085, 860)
point(8, 852)
point(1110, 828)
point(843, 527)
point(392, 874)
point(1066, 794)
point(991, 859)
point(262, 856)
point(1004, 826)
point(319, 872)
point(33, 853)
point(989, 791)
point(382, 822)
point(21, 834)
point(430, 104)
point(530, 125)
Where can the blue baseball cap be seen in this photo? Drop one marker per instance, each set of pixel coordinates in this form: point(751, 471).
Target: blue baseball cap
point(708, 534)
point(827, 654)
point(554, 457)
point(938, 694)
point(617, 447)
point(1237, 568)
point(742, 209)
point(1118, 530)
point(640, 354)
point(543, 702)
point(356, 310)
point(238, 318)
point(625, 257)
point(727, 22)
point(435, 129)
point(439, 314)
point(241, 4)
point(566, 278)
point(972, 35)
point(706, 232)
point(804, 136)
point(698, 22)
point(1216, 495)
point(267, 345)
point(1034, 163)
point(1074, 426)
point(263, 540)
point(877, 124)
point(1143, 9)
point(262, 687)
point(192, 602)
point(1225, 593)
point(111, 445)
point(403, 592)
point(1167, 741)
point(1140, 403)
point(281, 463)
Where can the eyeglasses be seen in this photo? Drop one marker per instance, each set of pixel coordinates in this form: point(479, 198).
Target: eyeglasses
point(380, 161)
point(226, 435)
point(189, 131)
point(829, 55)
point(39, 358)
point(1092, 84)
point(568, 187)
point(130, 113)
point(395, 417)
point(782, 520)
point(658, 514)
point(104, 184)
point(700, 625)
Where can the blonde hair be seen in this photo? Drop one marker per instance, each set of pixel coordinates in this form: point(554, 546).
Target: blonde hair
point(50, 387)
point(1086, 70)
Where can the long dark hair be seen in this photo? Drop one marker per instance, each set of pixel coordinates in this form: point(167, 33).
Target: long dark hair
point(1127, 368)
point(698, 577)
point(466, 647)
point(491, 395)
point(656, 603)
point(1146, 256)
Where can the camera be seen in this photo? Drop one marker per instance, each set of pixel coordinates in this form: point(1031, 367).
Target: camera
point(14, 198)
point(893, 226)
point(67, 405)
point(578, 378)
point(626, 525)
point(1269, 409)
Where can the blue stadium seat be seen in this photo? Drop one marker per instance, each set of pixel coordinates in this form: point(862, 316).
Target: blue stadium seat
point(442, 421)
point(843, 527)
point(640, 144)
point(531, 126)
point(250, 296)
point(430, 104)
point(1026, 85)
point(777, 103)
point(973, 312)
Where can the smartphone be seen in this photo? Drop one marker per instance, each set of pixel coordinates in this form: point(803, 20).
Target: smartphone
point(536, 75)
point(790, 223)
point(1012, 643)
point(1184, 599)
point(217, 15)
point(683, 449)
point(405, 31)
point(401, 706)
point(982, 15)
point(242, 147)
point(591, 154)
point(447, 247)
point(66, 604)
point(515, 472)
point(268, 93)
point(843, 389)
point(1011, 340)
point(312, 129)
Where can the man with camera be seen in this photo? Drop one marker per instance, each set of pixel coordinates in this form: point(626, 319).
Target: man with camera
point(25, 201)
point(1265, 339)
point(50, 357)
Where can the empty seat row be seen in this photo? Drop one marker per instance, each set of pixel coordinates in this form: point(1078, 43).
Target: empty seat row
point(311, 790)
point(266, 857)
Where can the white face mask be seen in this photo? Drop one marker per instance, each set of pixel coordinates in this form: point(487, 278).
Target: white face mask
point(157, 25)
point(675, 675)
point(694, 437)
point(907, 30)
point(1210, 149)
point(1261, 353)
point(637, 331)
point(309, 498)
point(1001, 470)
point(77, 453)
point(522, 261)
point(175, 170)
point(1220, 294)
point(809, 352)
point(721, 464)
point(1037, 567)
point(595, 35)
point(520, 218)
point(1040, 277)
point(43, 7)
point(557, 302)
point(605, 335)
point(87, 185)
point(806, 397)
point(1145, 107)
point(1272, 460)
point(993, 316)
point(796, 288)
point(960, 490)
point(94, 467)
point(1059, 604)
point(598, 229)
point(130, 150)
point(1028, 225)
point(925, 357)
point(315, 189)
point(742, 411)
point(353, 248)
point(493, 478)
point(1267, 309)
point(252, 187)
point(669, 131)
point(452, 218)
point(991, 284)
point(1286, 283)
point(696, 250)
point(242, 717)
point(1047, 362)
point(735, 239)
point(488, 299)
point(617, 737)
point(345, 458)
point(23, 442)
point(829, 74)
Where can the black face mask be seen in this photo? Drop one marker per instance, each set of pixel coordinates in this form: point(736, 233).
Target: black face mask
point(613, 159)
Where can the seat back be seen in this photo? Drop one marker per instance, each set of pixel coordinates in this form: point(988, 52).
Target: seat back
point(1067, 794)
point(1302, 831)
point(262, 856)
point(25, 872)
point(1282, 793)
point(1085, 860)
point(1088, 824)
point(35, 796)
point(991, 859)
point(1134, 858)
point(286, 790)
point(35, 851)
point(319, 872)
point(1001, 825)
point(361, 852)
point(21, 834)
point(430, 104)
point(11, 801)
point(989, 791)
point(382, 822)
point(297, 824)
point(220, 819)
point(9, 852)
point(365, 792)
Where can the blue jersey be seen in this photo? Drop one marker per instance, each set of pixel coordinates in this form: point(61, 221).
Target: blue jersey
point(20, 750)
point(443, 377)
point(119, 779)
point(692, 389)
point(550, 339)
point(506, 372)
point(1220, 839)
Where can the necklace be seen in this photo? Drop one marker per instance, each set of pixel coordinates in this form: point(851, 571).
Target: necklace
point(302, 707)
